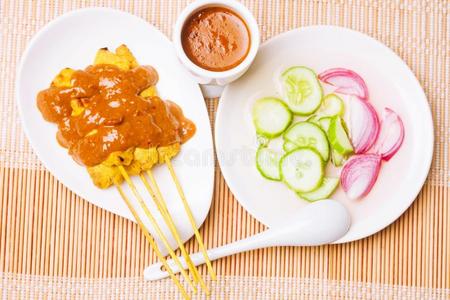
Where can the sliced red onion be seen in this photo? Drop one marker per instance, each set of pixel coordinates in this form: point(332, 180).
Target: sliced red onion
point(347, 82)
point(359, 174)
point(364, 125)
point(391, 135)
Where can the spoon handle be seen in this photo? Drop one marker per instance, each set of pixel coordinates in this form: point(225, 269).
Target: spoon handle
point(260, 240)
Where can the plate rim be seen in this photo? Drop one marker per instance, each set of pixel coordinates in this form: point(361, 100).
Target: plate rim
point(17, 95)
point(428, 156)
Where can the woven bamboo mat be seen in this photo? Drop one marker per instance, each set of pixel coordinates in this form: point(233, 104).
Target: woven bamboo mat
point(54, 244)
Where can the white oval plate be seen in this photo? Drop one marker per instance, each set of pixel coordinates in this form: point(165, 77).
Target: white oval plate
point(72, 41)
point(391, 83)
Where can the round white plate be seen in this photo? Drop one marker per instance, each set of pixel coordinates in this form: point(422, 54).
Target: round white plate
point(72, 41)
point(391, 84)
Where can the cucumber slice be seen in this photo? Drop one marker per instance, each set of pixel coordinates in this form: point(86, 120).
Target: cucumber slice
point(336, 158)
point(332, 105)
point(267, 163)
point(338, 136)
point(306, 134)
point(324, 191)
point(271, 116)
point(302, 90)
point(302, 169)
point(289, 146)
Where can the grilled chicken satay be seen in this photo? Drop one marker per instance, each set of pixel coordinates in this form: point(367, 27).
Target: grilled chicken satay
point(112, 121)
point(109, 115)
point(107, 173)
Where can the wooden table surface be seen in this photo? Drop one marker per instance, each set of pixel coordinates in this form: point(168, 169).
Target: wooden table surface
point(55, 244)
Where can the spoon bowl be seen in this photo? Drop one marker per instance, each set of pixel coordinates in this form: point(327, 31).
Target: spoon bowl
point(319, 223)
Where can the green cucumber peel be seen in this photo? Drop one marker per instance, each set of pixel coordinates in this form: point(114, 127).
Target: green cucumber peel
point(338, 137)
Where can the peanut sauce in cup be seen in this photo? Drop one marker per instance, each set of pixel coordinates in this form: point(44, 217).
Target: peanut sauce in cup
point(216, 39)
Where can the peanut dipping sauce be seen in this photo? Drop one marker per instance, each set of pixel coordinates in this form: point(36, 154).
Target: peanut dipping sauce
point(115, 117)
point(216, 39)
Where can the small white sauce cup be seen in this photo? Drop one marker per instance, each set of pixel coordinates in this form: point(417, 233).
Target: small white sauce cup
point(204, 76)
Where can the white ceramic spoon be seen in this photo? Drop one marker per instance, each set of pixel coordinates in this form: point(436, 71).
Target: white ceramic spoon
point(319, 223)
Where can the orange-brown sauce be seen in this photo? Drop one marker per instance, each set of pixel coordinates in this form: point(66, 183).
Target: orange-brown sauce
point(115, 117)
point(216, 39)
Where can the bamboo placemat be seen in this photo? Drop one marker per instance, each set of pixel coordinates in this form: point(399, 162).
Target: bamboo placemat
point(54, 244)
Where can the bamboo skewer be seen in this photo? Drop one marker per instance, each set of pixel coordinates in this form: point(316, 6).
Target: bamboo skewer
point(156, 226)
point(159, 201)
point(191, 219)
point(153, 244)
point(163, 208)
point(169, 221)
